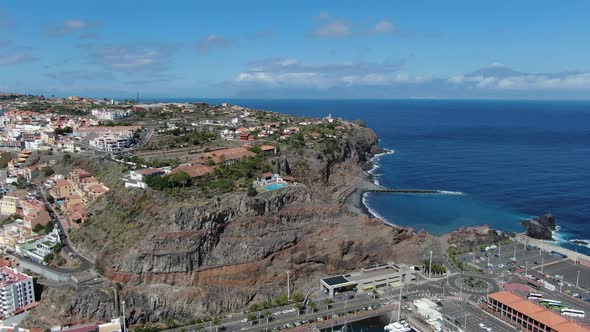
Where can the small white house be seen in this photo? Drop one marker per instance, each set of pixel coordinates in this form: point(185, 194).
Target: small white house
point(136, 178)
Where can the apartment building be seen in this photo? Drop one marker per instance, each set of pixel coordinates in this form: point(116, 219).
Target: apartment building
point(16, 291)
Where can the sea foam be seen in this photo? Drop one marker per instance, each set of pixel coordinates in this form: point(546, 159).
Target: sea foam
point(447, 192)
point(374, 213)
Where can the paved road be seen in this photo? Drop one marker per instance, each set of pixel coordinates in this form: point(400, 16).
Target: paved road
point(85, 264)
point(458, 314)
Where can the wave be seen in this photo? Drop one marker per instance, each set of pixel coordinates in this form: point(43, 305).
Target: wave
point(557, 236)
point(376, 165)
point(375, 160)
point(375, 213)
point(580, 242)
point(447, 192)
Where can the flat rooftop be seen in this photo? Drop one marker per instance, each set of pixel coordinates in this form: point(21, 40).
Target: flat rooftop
point(371, 273)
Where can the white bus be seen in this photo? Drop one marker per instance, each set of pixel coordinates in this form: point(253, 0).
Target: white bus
point(573, 313)
point(535, 297)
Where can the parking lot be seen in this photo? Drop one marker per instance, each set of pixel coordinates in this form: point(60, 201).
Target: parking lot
point(569, 270)
point(459, 313)
point(510, 255)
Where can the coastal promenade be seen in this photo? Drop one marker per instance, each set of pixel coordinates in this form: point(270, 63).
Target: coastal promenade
point(550, 247)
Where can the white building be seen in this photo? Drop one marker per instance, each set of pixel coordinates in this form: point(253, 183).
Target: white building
point(110, 143)
point(111, 114)
point(368, 278)
point(136, 178)
point(16, 290)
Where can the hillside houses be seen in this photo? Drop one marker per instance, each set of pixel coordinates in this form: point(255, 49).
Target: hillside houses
point(75, 192)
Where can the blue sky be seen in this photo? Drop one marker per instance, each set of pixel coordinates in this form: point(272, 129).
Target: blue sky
point(303, 49)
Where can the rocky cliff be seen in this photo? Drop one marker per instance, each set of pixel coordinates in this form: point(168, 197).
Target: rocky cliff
point(189, 259)
point(541, 227)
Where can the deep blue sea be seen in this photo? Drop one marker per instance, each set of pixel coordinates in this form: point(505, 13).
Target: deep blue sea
point(501, 161)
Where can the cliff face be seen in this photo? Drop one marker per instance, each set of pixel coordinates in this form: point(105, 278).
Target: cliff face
point(194, 259)
point(473, 237)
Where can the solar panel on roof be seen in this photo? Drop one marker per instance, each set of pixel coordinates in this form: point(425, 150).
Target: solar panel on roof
point(335, 280)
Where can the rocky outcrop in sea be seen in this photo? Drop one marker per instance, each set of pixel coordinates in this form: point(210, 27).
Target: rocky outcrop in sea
point(541, 227)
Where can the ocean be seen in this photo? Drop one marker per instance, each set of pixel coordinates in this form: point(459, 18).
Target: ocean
point(499, 162)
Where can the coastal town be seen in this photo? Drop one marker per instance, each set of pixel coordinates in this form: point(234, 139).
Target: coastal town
point(53, 190)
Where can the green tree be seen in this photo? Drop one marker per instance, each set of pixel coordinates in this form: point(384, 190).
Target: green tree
point(298, 306)
point(57, 248)
point(313, 306)
point(180, 179)
point(48, 258)
point(21, 182)
point(255, 307)
point(251, 317)
point(48, 228)
point(49, 198)
point(298, 297)
point(48, 171)
point(37, 228)
point(281, 300)
point(252, 192)
point(327, 303)
point(67, 157)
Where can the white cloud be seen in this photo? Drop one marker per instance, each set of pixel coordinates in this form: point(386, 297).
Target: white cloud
point(71, 26)
point(12, 59)
point(332, 29)
point(134, 58)
point(509, 79)
point(212, 42)
point(282, 75)
point(384, 26)
point(289, 72)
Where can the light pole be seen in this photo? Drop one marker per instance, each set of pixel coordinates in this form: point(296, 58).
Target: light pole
point(399, 309)
point(499, 250)
point(526, 268)
point(514, 258)
point(542, 263)
point(430, 266)
point(124, 324)
point(288, 287)
point(577, 279)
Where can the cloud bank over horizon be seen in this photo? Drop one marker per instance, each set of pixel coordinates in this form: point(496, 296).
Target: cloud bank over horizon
point(341, 51)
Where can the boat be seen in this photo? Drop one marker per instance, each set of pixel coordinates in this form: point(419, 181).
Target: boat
point(401, 326)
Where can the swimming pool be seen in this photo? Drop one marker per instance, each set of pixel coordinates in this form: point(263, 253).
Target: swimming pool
point(275, 186)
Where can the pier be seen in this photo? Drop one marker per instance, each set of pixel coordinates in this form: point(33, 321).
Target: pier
point(405, 191)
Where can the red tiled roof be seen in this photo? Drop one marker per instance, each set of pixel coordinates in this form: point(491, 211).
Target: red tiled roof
point(525, 307)
point(570, 327)
point(193, 170)
point(505, 297)
point(548, 318)
point(536, 312)
point(222, 155)
point(62, 183)
point(80, 172)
